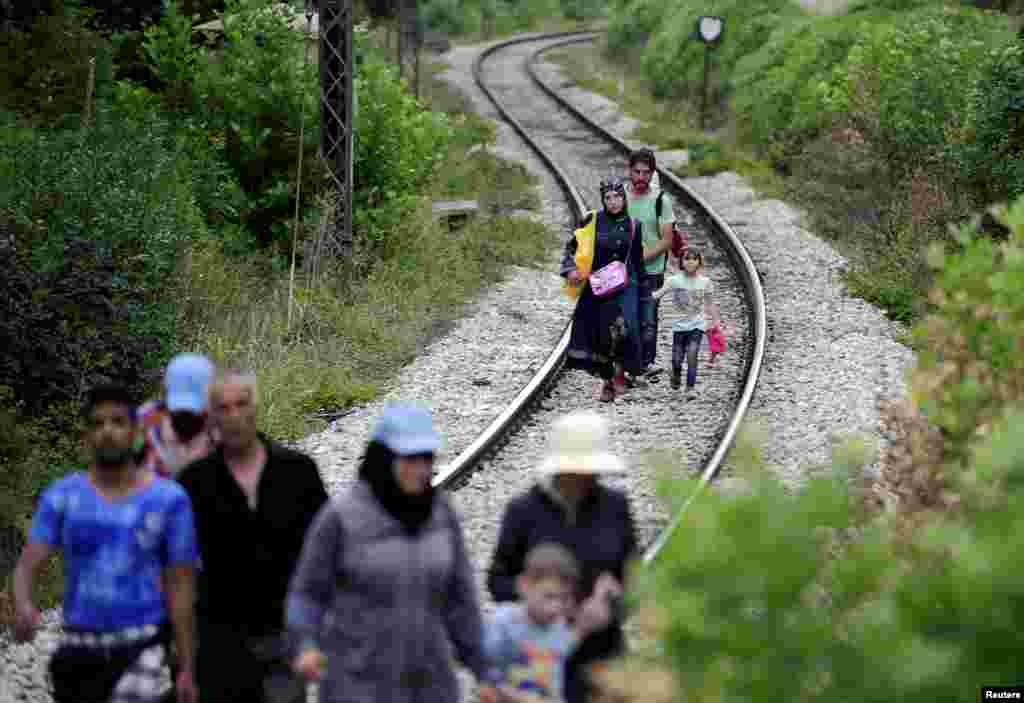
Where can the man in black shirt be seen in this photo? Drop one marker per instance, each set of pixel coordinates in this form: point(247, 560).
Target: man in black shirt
point(253, 501)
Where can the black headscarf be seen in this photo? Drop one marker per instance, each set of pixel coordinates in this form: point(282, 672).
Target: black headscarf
point(614, 185)
point(378, 470)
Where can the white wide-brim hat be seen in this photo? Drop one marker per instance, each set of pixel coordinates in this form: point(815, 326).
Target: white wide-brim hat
point(579, 445)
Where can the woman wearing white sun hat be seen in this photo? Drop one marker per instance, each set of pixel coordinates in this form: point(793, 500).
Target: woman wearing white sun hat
point(570, 506)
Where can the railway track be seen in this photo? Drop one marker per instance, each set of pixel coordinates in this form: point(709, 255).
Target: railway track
point(706, 431)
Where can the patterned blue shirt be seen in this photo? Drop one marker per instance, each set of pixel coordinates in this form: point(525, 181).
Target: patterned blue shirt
point(526, 656)
point(115, 551)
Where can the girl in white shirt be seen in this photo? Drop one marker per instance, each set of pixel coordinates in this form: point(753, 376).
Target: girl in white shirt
point(694, 296)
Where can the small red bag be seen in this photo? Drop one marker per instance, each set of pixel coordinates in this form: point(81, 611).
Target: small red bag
point(716, 341)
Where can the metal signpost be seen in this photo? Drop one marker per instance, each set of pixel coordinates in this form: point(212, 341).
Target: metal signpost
point(336, 128)
point(709, 29)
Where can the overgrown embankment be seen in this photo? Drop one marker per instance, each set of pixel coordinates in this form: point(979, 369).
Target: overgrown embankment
point(888, 123)
point(152, 212)
point(907, 588)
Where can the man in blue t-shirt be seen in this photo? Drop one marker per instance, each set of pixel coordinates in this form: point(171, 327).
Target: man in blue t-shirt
point(129, 550)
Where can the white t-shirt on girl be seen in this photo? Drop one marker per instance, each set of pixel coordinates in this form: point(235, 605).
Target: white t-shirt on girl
point(691, 295)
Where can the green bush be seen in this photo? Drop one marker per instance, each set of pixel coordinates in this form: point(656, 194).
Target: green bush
point(396, 146)
point(777, 597)
point(906, 83)
point(583, 9)
point(777, 86)
point(630, 22)
point(124, 189)
point(990, 152)
point(466, 16)
point(673, 60)
point(52, 85)
point(169, 47)
point(451, 16)
point(255, 97)
point(972, 366)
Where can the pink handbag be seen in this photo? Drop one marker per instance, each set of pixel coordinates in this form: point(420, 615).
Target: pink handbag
point(613, 277)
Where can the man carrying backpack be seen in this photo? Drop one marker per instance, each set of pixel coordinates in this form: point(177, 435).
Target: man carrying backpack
point(653, 209)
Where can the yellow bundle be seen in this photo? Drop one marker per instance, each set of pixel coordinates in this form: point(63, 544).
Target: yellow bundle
point(586, 237)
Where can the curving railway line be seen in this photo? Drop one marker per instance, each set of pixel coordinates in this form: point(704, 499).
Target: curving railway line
point(703, 430)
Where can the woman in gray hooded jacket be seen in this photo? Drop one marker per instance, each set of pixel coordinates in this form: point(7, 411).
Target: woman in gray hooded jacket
point(384, 595)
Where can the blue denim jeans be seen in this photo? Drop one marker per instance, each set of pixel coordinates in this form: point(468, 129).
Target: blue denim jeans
point(649, 282)
point(685, 346)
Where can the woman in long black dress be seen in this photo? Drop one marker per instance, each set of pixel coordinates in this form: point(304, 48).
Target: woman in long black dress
point(605, 330)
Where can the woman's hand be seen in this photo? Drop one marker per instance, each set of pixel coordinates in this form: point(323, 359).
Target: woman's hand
point(309, 665)
point(574, 278)
point(596, 611)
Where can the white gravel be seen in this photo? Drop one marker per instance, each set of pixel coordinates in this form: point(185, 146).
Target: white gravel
point(830, 359)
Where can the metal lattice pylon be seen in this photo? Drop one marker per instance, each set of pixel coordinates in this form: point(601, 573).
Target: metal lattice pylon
point(336, 129)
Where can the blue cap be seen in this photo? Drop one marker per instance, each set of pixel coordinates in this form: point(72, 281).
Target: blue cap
point(187, 381)
point(405, 430)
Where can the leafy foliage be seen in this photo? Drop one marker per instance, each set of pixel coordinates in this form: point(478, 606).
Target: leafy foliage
point(466, 16)
point(673, 58)
point(808, 596)
point(777, 86)
point(973, 364)
point(94, 245)
point(632, 21)
point(119, 15)
point(991, 149)
point(51, 86)
point(905, 84)
point(396, 146)
point(169, 47)
point(255, 98)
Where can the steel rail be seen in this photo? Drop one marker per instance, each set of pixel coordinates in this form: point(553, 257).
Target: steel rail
point(740, 258)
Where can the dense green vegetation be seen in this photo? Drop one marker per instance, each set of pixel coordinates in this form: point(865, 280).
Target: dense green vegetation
point(474, 18)
point(888, 123)
point(831, 594)
point(152, 212)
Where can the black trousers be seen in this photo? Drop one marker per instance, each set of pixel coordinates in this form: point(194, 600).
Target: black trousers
point(649, 282)
point(596, 647)
point(232, 667)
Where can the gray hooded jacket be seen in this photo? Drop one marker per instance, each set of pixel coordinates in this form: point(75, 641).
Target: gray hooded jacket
point(388, 608)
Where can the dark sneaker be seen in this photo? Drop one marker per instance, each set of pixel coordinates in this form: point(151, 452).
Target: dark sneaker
point(654, 371)
point(677, 379)
point(635, 381)
point(607, 393)
point(691, 393)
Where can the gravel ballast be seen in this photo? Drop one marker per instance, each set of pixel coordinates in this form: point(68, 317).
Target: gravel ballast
point(830, 358)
